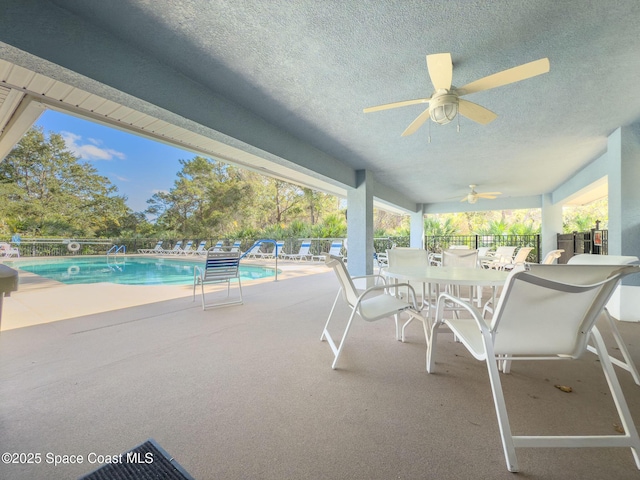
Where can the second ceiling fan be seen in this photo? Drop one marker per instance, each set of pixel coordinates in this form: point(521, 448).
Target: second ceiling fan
point(445, 103)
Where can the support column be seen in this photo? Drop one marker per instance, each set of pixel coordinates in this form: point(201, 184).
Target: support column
point(623, 169)
point(416, 234)
point(551, 225)
point(360, 225)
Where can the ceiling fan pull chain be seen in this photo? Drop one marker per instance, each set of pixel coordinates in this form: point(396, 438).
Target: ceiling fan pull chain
point(458, 128)
point(429, 135)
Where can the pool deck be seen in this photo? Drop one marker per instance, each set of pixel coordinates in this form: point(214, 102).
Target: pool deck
point(40, 300)
point(247, 392)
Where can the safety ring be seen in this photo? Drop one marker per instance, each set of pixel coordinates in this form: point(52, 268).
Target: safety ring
point(73, 246)
point(73, 270)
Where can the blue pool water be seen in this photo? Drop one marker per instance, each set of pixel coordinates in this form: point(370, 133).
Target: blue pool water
point(125, 270)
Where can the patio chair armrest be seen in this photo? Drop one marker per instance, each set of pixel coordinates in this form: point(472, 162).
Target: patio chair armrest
point(474, 311)
point(410, 289)
point(375, 275)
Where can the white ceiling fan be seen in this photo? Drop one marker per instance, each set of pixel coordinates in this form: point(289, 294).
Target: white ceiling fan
point(473, 196)
point(445, 103)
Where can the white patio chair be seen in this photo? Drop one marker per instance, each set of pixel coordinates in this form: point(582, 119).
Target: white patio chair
point(218, 267)
point(254, 251)
point(374, 303)
point(587, 259)
point(303, 252)
point(552, 257)
point(462, 258)
point(547, 313)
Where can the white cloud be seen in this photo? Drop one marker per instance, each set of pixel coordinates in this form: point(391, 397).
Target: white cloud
point(91, 150)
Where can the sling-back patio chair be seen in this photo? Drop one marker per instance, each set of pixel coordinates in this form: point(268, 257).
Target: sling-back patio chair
point(547, 312)
point(219, 267)
point(588, 259)
point(374, 303)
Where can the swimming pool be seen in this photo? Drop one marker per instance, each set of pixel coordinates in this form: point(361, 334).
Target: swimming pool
point(125, 270)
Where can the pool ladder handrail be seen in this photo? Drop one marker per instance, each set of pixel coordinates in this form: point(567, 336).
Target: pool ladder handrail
point(117, 249)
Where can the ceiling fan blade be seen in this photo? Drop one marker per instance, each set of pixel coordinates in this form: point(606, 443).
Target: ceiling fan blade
point(475, 112)
point(465, 198)
point(396, 105)
point(490, 193)
point(440, 69)
point(417, 123)
point(488, 197)
point(512, 75)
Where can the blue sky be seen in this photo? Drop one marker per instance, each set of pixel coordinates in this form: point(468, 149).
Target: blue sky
point(137, 166)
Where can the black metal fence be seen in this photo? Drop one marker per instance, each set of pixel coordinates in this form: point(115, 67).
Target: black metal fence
point(594, 242)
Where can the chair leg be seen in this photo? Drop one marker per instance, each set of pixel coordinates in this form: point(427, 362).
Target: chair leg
point(508, 446)
point(628, 361)
point(618, 397)
point(338, 351)
point(326, 325)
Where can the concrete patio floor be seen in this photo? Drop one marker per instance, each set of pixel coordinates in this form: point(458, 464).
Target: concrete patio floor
point(247, 392)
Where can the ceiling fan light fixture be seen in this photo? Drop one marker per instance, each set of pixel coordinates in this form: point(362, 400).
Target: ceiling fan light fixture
point(471, 198)
point(443, 108)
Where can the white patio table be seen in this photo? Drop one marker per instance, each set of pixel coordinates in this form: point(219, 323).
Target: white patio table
point(434, 275)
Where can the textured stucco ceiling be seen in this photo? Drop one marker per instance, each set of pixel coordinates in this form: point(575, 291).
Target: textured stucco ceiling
point(310, 67)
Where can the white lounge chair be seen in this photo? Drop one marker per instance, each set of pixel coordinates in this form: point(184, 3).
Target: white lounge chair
point(187, 248)
point(303, 252)
point(547, 313)
point(236, 246)
point(519, 259)
point(254, 251)
point(157, 249)
point(335, 251)
point(219, 267)
point(372, 304)
point(177, 248)
point(201, 250)
point(6, 250)
point(218, 247)
point(501, 256)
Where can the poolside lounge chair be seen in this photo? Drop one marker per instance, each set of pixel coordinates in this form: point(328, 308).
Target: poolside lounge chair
point(254, 251)
point(7, 250)
point(335, 250)
point(187, 248)
point(157, 249)
point(236, 246)
point(218, 247)
point(303, 252)
point(546, 313)
point(176, 250)
point(200, 250)
point(218, 267)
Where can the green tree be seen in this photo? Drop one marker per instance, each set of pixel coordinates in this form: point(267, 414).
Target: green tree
point(51, 192)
